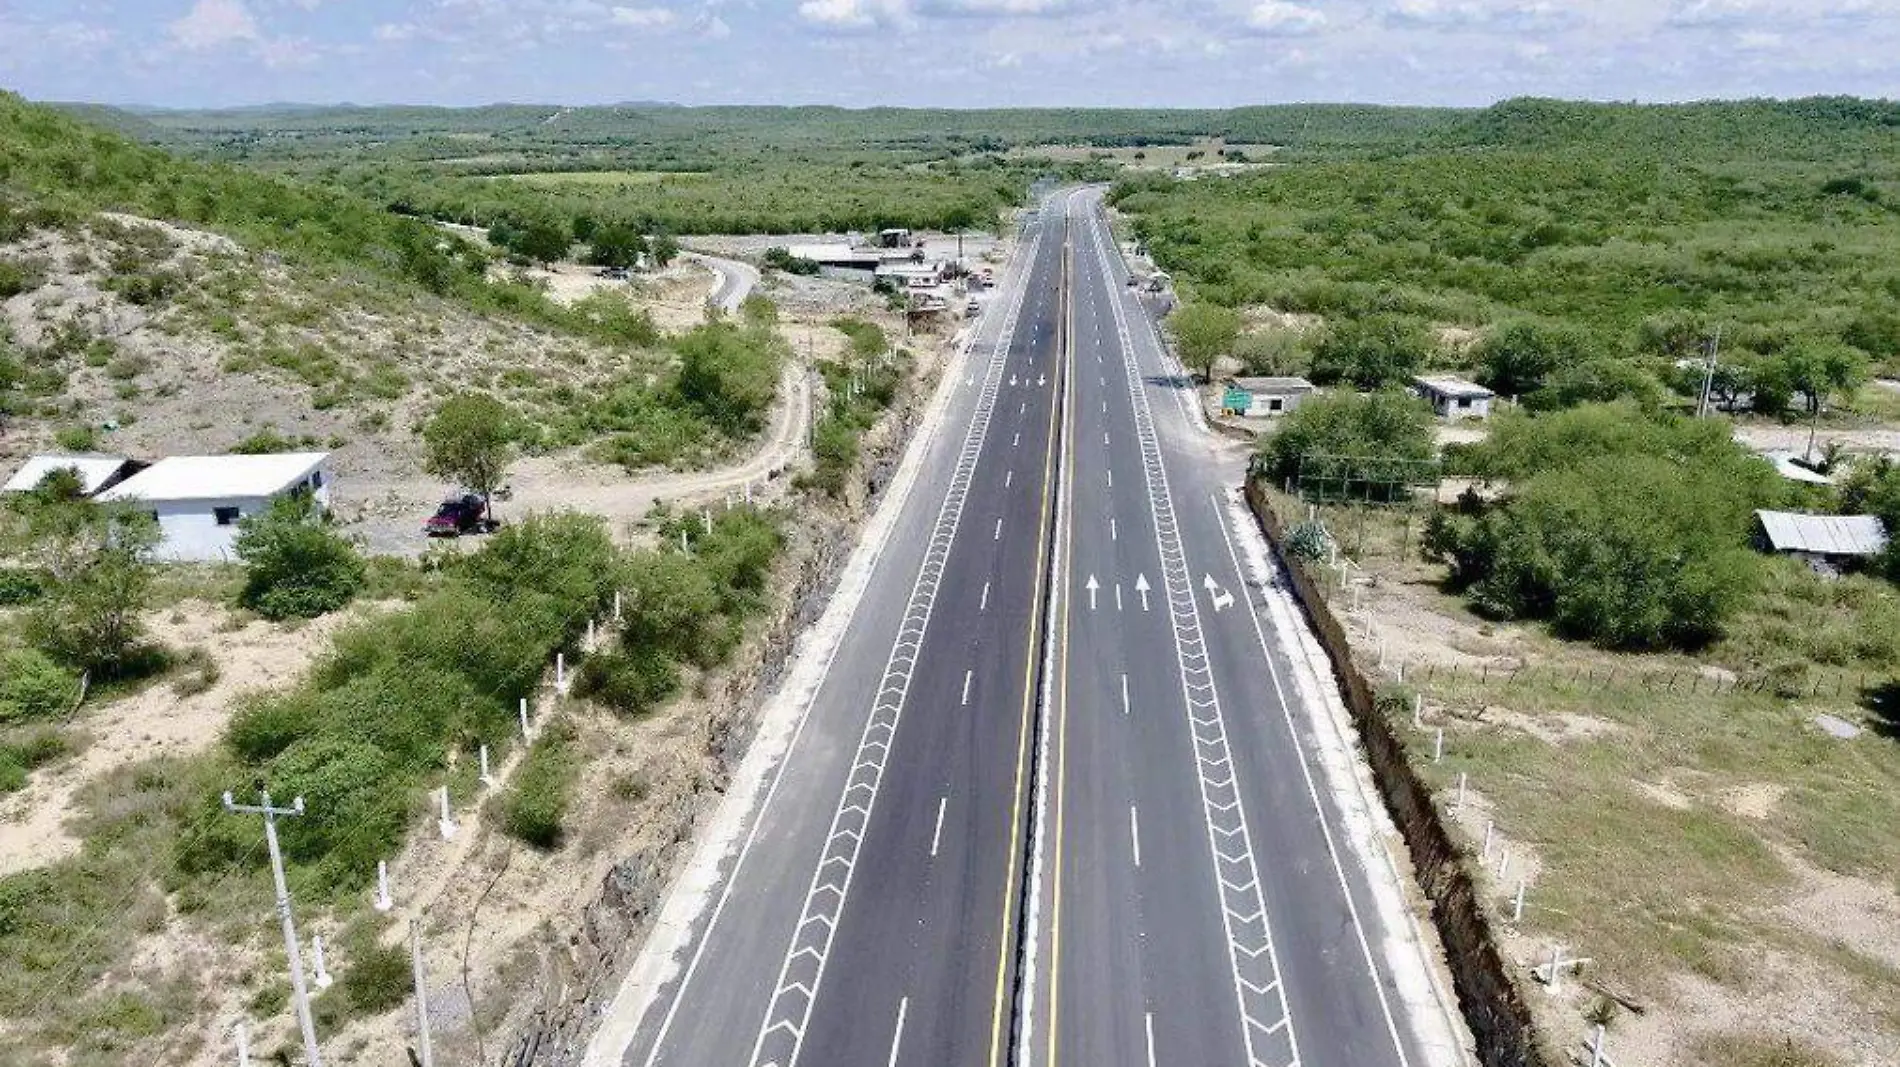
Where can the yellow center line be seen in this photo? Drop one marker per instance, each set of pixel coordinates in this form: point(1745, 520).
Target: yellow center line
point(1006, 950)
point(1062, 714)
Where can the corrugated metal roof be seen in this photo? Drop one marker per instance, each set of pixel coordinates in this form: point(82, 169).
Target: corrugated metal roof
point(93, 470)
point(1823, 535)
point(216, 477)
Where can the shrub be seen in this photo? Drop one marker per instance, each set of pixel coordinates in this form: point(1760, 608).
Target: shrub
point(294, 565)
point(1370, 352)
point(630, 681)
point(77, 438)
point(198, 673)
point(19, 586)
point(1627, 551)
point(1365, 444)
point(376, 978)
point(534, 805)
point(782, 259)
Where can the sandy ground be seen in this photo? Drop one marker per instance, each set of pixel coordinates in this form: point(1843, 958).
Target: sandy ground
point(1396, 614)
point(158, 722)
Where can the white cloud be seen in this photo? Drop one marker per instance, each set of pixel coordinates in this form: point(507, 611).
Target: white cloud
point(643, 17)
point(1283, 19)
point(396, 31)
point(714, 28)
point(211, 23)
point(854, 14)
point(1463, 14)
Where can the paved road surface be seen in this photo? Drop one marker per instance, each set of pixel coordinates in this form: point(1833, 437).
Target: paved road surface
point(1195, 914)
point(1185, 904)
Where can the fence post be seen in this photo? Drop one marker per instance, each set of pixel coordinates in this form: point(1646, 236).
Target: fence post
point(1438, 746)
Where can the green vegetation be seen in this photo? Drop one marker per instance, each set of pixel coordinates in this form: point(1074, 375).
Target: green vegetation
point(32, 686)
point(536, 800)
point(295, 566)
point(1204, 333)
point(470, 440)
point(90, 569)
point(860, 388)
point(1593, 246)
point(1362, 446)
point(1624, 528)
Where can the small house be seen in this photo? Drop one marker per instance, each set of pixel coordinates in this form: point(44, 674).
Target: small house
point(912, 275)
point(96, 472)
point(1827, 543)
point(1455, 398)
point(1264, 397)
point(198, 500)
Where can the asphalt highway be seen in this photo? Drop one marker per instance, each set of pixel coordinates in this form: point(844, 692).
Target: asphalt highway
point(1050, 803)
point(1196, 914)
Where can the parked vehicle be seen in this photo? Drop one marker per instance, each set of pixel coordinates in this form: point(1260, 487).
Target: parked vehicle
point(461, 515)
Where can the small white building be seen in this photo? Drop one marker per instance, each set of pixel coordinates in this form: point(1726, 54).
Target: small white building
point(198, 500)
point(96, 472)
point(1454, 398)
point(1264, 397)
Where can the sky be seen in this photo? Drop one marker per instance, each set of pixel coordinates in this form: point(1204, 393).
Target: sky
point(953, 53)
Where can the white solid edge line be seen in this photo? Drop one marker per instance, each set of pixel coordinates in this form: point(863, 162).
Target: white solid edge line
point(897, 1035)
point(777, 732)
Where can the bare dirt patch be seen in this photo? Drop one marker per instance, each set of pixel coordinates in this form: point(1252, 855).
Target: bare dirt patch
point(255, 654)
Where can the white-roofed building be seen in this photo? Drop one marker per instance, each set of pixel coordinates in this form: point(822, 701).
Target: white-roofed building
point(1454, 398)
point(198, 500)
point(96, 472)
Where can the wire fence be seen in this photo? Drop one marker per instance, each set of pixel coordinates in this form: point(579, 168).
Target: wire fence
point(1682, 681)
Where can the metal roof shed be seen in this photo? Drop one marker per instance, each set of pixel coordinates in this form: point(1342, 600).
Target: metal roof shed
point(1823, 536)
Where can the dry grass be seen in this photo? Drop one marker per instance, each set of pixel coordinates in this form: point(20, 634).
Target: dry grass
point(1673, 836)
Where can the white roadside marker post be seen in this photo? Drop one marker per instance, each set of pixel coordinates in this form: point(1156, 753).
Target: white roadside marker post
point(1489, 826)
point(1438, 746)
point(383, 901)
point(243, 1033)
point(1418, 711)
point(524, 716)
point(322, 973)
point(560, 673)
point(422, 994)
point(616, 605)
point(486, 778)
point(1517, 906)
point(1460, 806)
point(446, 823)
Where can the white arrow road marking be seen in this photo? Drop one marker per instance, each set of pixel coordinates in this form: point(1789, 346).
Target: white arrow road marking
point(1221, 597)
point(1012, 381)
point(1141, 586)
point(1092, 587)
point(1042, 380)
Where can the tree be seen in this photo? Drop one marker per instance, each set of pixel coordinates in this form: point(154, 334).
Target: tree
point(89, 617)
point(542, 239)
point(662, 249)
point(1816, 372)
point(1270, 352)
point(294, 565)
point(616, 245)
point(728, 374)
point(1372, 443)
point(1204, 333)
point(1371, 352)
point(1629, 551)
point(471, 439)
point(1598, 381)
point(1520, 356)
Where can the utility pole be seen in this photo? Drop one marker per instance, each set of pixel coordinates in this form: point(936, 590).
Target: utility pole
point(298, 994)
point(1708, 374)
point(422, 993)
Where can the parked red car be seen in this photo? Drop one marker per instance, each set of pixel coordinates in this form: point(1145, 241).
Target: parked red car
point(461, 515)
